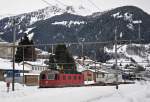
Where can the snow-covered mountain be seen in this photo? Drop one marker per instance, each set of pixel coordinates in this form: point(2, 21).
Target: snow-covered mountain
point(57, 24)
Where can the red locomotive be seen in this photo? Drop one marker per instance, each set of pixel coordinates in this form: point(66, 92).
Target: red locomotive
point(53, 78)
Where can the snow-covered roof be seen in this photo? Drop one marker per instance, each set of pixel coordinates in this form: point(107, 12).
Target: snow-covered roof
point(38, 62)
point(44, 53)
point(94, 65)
point(88, 70)
point(102, 71)
point(8, 65)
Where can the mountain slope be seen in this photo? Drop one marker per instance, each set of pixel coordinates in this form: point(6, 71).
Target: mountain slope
point(61, 26)
point(123, 18)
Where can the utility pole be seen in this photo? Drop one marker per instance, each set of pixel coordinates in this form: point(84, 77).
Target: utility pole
point(82, 53)
point(139, 31)
point(139, 28)
point(116, 66)
point(139, 22)
point(52, 49)
point(23, 68)
point(95, 67)
point(14, 40)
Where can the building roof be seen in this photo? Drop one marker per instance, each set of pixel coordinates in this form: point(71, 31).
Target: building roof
point(38, 62)
point(8, 65)
point(88, 70)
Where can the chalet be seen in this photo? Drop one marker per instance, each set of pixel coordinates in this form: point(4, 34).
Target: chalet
point(89, 75)
point(84, 61)
point(108, 76)
point(32, 78)
point(6, 70)
point(35, 66)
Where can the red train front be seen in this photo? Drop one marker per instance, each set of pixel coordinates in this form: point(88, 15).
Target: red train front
point(52, 78)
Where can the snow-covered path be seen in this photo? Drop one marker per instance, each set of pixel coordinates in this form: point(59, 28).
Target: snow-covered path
point(139, 92)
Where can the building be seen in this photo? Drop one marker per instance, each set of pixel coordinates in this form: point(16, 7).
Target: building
point(6, 71)
point(89, 75)
point(5, 50)
point(31, 79)
point(36, 67)
point(108, 76)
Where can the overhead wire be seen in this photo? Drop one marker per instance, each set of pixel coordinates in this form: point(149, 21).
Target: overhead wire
point(94, 5)
point(61, 3)
point(47, 2)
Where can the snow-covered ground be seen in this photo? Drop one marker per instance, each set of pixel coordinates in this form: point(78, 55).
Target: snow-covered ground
point(139, 92)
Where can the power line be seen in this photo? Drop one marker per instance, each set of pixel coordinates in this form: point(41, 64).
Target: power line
point(74, 43)
point(94, 4)
point(47, 3)
point(60, 3)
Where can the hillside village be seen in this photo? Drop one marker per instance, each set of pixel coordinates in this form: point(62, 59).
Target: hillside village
point(27, 72)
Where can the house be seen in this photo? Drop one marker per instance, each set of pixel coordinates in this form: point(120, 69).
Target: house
point(6, 70)
point(89, 75)
point(36, 67)
point(96, 71)
point(107, 76)
point(84, 61)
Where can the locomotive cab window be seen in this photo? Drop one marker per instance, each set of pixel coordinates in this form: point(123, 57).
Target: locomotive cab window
point(43, 76)
point(51, 76)
point(69, 77)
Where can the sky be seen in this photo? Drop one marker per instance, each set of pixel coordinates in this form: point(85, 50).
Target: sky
point(11, 7)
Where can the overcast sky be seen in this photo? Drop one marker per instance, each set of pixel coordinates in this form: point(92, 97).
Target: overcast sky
point(22, 6)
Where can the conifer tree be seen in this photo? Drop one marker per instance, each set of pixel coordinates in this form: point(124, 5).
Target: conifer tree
point(27, 51)
point(52, 62)
point(63, 59)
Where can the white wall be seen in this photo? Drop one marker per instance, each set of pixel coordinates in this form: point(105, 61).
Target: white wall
point(108, 78)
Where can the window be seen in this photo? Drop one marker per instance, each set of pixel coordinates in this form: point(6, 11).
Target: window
point(79, 78)
point(43, 76)
point(69, 77)
point(64, 77)
point(103, 75)
point(32, 68)
point(51, 76)
point(74, 77)
point(17, 74)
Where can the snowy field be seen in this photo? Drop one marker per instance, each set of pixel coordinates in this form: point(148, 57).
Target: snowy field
point(139, 92)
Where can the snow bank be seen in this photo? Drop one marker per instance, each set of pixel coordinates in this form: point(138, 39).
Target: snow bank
point(139, 92)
